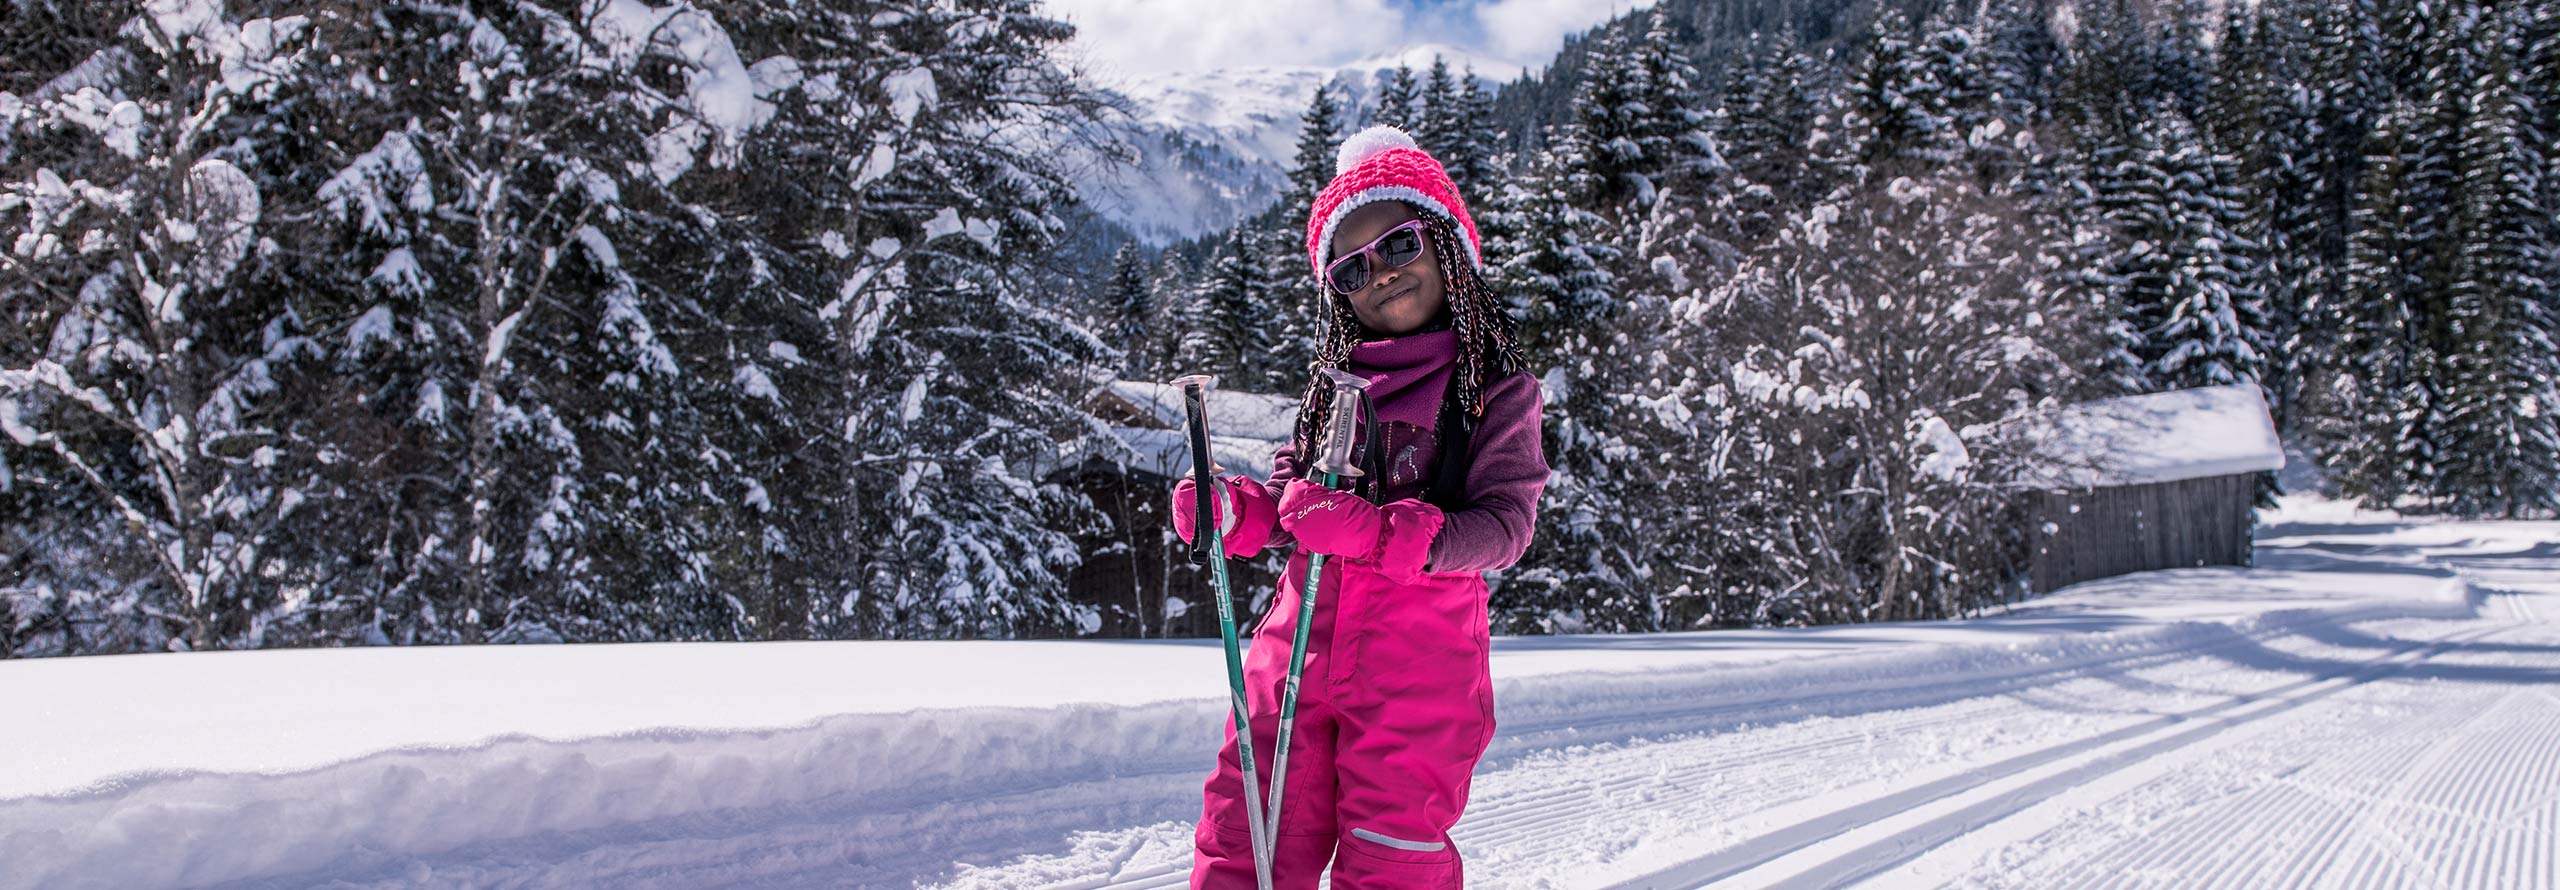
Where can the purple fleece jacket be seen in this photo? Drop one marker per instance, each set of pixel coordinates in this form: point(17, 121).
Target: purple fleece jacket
point(1407, 376)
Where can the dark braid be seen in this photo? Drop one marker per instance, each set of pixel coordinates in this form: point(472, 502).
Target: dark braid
point(1339, 332)
point(1488, 337)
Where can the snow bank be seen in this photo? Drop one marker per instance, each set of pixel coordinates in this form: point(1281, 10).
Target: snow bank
point(295, 760)
point(184, 770)
point(2160, 437)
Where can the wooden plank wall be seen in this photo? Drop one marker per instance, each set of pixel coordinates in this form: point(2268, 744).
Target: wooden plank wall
point(2135, 528)
point(1134, 562)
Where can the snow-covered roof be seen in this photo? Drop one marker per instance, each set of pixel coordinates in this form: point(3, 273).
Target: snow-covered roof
point(1167, 453)
point(1145, 421)
point(1251, 415)
point(2159, 437)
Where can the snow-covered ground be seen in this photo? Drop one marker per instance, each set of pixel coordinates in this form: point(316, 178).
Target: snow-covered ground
point(2377, 703)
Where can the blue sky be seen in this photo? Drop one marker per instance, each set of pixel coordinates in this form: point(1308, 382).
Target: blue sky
point(1134, 37)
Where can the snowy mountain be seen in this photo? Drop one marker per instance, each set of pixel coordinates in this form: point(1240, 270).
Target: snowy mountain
point(1214, 146)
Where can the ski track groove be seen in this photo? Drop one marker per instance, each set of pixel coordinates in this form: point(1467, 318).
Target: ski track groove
point(2336, 785)
point(2097, 755)
point(2237, 829)
point(2407, 795)
point(2483, 778)
point(2359, 825)
point(1970, 712)
point(1568, 802)
point(2443, 800)
point(2247, 825)
point(2236, 819)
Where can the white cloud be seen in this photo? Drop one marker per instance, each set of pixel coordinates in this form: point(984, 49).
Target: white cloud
point(1127, 38)
point(1530, 31)
point(1137, 37)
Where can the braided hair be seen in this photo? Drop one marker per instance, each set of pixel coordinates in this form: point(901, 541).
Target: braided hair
point(1488, 337)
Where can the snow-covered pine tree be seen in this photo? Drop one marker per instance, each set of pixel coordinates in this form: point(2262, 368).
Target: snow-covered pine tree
point(2540, 27)
point(1619, 529)
point(1769, 107)
point(1569, 307)
point(2020, 53)
point(2183, 62)
point(1633, 523)
point(506, 332)
point(2375, 432)
point(2262, 116)
point(1292, 325)
point(2333, 99)
point(1397, 100)
point(149, 323)
point(2414, 37)
point(1672, 129)
point(1437, 123)
point(957, 371)
point(1873, 126)
point(2198, 284)
point(2126, 195)
point(1235, 323)
point(1470, 158)
point(2407, 344)
point(1134, 314)
point(1293, 293)
point(2245, 73)
point(1553, 272)
point(1609, 177)
point(2111, 79)
point(1319, 132)
point(2502, 435)
point(1946, 89)
point(2015, 56)
point(1682, 235)
point(1181, 324)
point(2342, 73)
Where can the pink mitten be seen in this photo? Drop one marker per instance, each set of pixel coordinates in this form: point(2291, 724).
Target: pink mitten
point(1404, 552)
point(1332, 522)
point(1244, 516)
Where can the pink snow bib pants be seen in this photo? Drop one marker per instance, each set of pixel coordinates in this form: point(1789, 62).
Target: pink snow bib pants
point(1396, 699)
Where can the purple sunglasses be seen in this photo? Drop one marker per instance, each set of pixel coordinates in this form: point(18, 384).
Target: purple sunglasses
point(1399, 247)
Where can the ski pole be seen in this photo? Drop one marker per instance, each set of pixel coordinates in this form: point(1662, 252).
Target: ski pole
point(1209, 548)
point(1333, 469)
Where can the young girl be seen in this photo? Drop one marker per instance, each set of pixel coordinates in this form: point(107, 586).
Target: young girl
point(1395, 702)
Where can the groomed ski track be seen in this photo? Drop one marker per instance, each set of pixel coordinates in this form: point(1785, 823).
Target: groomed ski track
point(2382, 753)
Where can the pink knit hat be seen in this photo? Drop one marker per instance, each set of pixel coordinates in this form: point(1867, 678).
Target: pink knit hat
point(1384, 164)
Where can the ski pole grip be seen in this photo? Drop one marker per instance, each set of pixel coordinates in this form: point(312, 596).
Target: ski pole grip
point(1342, 424)
point(1195, 409)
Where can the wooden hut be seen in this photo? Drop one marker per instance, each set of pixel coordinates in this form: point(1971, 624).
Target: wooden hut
point(2158, 481)
point(1137, 575)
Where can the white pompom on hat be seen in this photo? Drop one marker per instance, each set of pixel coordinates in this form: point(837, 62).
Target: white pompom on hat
point(1368, 143)
point(1383, 164)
